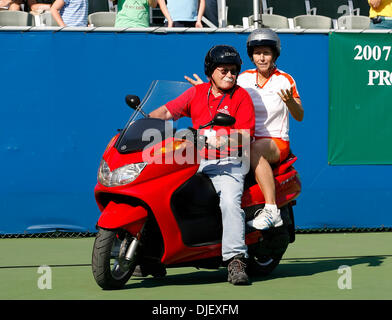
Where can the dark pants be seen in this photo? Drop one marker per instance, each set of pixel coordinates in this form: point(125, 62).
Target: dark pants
point(211, 11)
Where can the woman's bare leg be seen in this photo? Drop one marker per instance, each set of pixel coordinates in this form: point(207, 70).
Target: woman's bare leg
point(262, 153)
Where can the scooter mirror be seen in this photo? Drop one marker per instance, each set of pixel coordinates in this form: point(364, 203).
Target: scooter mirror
point(132, 101)
point(222, 119)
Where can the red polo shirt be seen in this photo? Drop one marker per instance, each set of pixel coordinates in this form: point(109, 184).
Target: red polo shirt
point(201, 105)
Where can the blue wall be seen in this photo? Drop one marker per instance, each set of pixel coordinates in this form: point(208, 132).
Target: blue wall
point(62, 99)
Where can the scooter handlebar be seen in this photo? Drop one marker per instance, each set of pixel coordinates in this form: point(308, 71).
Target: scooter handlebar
point(195, 137)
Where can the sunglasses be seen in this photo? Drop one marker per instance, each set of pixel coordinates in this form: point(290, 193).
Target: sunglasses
point(225, 71)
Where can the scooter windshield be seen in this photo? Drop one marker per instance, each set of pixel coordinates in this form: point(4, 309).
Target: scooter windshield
point(159, 93)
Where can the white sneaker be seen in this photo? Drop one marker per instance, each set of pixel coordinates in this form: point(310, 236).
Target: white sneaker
point(265, 219)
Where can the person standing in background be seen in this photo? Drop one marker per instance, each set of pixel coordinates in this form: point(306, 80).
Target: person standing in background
point(184, 13)
point(380, 14)
point(70, 13)
point(136, 13)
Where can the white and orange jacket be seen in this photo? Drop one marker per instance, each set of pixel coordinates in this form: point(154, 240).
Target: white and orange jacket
point(272, 114)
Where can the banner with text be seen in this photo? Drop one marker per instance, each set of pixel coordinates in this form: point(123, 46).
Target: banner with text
point(360, 99)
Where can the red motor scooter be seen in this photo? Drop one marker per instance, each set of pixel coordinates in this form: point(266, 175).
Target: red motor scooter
point(158, 213)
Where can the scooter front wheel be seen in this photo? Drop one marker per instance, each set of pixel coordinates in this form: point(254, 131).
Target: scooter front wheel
point(108, 271)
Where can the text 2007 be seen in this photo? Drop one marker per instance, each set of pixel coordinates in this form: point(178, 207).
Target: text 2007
point(372, 53)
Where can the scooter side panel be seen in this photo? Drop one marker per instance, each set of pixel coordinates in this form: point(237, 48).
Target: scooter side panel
point(288, 187)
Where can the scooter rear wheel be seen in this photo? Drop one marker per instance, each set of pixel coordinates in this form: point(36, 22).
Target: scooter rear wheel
point(263, 266)
point(266, 255)
point(107, 271)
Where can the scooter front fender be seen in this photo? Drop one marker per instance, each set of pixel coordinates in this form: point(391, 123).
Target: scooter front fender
point(122, 215)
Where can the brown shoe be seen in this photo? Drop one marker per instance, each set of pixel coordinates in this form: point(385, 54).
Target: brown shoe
point(237, 271)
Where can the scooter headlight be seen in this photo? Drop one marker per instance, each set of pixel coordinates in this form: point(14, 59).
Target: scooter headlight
point(119, 176)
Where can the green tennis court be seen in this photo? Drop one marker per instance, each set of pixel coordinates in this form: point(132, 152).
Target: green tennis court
point(309, 270)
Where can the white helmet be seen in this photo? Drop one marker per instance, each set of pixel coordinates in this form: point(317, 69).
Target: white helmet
point(263, 37)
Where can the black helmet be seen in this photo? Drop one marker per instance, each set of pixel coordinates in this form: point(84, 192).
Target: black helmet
point(263, 37)
point(221, 54)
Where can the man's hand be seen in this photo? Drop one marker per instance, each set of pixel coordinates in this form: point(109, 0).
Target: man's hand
point(195, 81)
point(217, 142)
